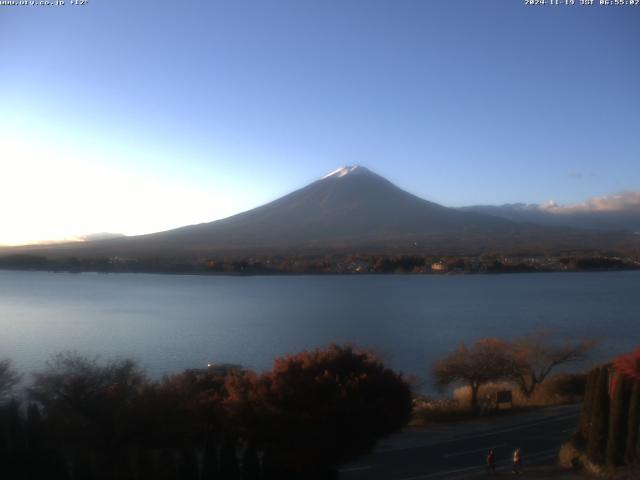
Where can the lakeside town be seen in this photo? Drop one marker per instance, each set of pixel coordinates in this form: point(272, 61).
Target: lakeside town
point(332, 264)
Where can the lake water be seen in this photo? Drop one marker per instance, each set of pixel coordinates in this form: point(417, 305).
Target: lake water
point(173, 322)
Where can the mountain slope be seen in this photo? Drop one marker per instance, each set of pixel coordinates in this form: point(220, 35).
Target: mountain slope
point(349, 203)
point(351, 209)
point(627, 219)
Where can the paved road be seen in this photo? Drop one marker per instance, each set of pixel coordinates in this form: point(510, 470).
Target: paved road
point(458, 450)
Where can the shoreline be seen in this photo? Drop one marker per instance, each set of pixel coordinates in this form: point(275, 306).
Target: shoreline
point(204, 273)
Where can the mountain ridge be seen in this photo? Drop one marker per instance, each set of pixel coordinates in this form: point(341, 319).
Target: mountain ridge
point(623, 218)
point(349, 209)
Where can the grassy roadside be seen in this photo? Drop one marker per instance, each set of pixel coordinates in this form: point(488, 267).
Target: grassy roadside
point(542, 472)
point(571, 458)
point(562, 389)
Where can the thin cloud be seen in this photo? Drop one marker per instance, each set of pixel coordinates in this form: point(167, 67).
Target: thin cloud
point(620, 202)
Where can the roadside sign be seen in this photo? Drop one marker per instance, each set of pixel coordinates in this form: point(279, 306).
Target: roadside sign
point(504, 396)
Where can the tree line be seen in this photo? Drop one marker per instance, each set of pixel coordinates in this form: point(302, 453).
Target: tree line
point(82, 418)
point(352, 263)
point(526, 362)
point(85, 419)
point(610, 420)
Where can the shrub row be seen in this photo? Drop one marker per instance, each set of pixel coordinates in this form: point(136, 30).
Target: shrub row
point(310, 414)
point(609, 422)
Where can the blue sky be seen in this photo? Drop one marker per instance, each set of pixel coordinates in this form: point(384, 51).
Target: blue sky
point(141, 116)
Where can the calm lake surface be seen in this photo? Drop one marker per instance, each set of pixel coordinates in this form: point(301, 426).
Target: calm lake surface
point(173, 322)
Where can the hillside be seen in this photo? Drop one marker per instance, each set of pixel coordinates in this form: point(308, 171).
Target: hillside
point(349, 210)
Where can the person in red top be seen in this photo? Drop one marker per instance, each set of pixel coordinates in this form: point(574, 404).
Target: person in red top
point(491, 462)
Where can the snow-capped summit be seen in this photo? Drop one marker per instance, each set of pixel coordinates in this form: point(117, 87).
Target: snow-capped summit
point(352, 209)
point(349, 170)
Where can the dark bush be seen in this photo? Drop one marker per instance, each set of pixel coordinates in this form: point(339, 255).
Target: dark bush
point(324, 407)
point(571, 385)
point(94, 420)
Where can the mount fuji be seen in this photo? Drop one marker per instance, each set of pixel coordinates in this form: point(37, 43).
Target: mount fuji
point(351, 209)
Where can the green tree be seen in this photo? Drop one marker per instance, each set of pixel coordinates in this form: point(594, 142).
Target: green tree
point(630, 454)
point(617, 422)
point(587, 404)
point(597, 440)
point(628, 367)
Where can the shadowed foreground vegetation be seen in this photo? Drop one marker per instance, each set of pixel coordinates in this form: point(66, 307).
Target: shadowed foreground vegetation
point(560, 389)
point(84, 419)
point(607, 441)
point(314, 411)
point(333, 264)
point(522, 367)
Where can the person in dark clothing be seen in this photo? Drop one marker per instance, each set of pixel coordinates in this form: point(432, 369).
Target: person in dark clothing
point(491, 462)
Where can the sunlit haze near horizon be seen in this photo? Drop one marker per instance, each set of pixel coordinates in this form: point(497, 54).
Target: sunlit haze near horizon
point(136, 117)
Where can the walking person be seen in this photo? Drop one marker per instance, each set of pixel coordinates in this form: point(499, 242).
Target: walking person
point(517, 462)
point(491, 462)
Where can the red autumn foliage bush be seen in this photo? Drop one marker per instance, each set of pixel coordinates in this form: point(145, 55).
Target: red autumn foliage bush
point(319, 409)
point(629, 364)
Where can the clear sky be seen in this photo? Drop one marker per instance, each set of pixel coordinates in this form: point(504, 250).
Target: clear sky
point(138, 116)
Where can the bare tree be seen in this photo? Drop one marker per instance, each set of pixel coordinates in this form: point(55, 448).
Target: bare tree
point(76, 383)
point(534, 357)
point(487, 361)
point(9, 378)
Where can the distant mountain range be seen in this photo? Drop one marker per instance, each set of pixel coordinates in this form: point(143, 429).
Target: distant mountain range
point(355, 210)
point(617, 212)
